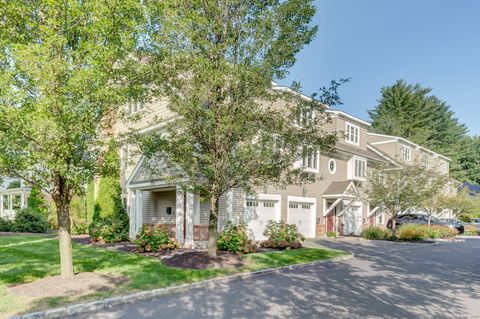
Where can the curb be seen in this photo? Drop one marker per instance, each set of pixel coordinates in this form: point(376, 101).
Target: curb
point(151, 294)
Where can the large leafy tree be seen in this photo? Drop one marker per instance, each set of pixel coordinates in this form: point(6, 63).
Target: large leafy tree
point(410, 111)
point(63, 66)
point(215, 61)
point(470, 160)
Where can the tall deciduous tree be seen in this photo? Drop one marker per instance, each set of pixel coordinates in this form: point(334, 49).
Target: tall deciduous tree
point(63, 66)
point(410, 111)
point(460, 203)
point(215, 61)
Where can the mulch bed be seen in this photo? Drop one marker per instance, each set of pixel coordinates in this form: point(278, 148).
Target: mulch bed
point(201, 260)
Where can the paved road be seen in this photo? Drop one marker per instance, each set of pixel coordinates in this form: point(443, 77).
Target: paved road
point(384, 280)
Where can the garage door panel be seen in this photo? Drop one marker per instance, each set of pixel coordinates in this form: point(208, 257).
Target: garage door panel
point(257, 215)
point(300, 214)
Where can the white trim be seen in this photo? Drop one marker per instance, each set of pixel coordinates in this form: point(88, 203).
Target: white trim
point(351, 168)
point(335, 166)
point(384, 156)
point(347, 130)
point(350, 117)
point(406, 150)
point(371, 212)
point(398, 138)
point(308, 200)
point(383, 142)
point(331, 207)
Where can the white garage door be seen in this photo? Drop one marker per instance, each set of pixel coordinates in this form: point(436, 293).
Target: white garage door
point(352, 221)
point(257, 214)
point(300, 214)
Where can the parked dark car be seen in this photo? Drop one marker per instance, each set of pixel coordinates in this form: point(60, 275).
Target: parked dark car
point(420, 219)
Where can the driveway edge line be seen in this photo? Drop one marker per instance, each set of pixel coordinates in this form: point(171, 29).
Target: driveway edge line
point(151, 294)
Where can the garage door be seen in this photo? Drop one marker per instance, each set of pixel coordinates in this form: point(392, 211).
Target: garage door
point(352, 221)
point(257, 214)
point(300, 214)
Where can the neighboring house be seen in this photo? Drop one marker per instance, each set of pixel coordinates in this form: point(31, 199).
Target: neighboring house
point(335, 202)
point(13, 196)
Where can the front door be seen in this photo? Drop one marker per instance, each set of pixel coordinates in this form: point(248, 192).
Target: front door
point(352, 221)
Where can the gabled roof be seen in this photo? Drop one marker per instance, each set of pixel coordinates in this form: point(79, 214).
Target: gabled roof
point(350, 117)
point(354, 150)
point(383, 155)
point(341, 188)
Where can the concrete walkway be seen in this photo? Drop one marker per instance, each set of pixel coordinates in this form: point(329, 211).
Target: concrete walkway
point(384, 280)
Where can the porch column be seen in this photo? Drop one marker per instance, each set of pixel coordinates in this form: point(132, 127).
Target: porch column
point(132, 213)
point(139, 210)
point(230, 205)
point(189, 215)
point(179, 215)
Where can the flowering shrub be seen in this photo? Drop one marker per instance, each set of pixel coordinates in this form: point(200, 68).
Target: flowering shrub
point(108, 231)
point(376, 233)
point(155, 238)
point(282, 235)
point(439, 231)
point(79, 227)
point(234, 239)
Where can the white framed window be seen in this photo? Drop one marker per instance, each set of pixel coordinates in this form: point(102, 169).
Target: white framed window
point(305, 116)
point(292, 205)
point(426, 160)
point(135, 106)
point(311, 163)
point(252, 203)
point(443, 167)
point(332, 166)
point(352, 134)
point(406, 153)
point(268, 204)
point(357, 168)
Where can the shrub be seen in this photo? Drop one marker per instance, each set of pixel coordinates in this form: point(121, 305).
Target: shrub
point(6, 225)
point(79, 227)
point(282, 235)
point(466, 218)
point(108, 231)
point(376, 233)
point(331, 234)
point(421, 232)
point(29, 221)
point(471, 230)
point(155, 238)
point(234, 239)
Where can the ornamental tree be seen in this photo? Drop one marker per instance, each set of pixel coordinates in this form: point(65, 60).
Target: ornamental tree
point(215, 62)
point(63, 72)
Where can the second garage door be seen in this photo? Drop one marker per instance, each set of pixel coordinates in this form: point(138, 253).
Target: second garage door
point(301, 214)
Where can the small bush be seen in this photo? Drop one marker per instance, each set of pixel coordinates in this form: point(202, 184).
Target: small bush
point(331, 234)
point(79, 227)
point(234, 239)
point(6, 225)
point(108, 231)
point(29, 221)
point(466, 218)
point(282, 235)
point(471, 230)
point(155, 238)
point(376, 233)
point(439, 231)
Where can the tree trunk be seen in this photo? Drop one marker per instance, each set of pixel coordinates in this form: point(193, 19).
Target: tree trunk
point(212, 227)
point(394, 225)
point(62, 197)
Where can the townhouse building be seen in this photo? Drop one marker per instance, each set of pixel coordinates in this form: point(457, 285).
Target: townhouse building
point(336, 201)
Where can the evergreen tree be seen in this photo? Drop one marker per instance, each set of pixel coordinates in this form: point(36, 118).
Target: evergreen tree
point(411, 112)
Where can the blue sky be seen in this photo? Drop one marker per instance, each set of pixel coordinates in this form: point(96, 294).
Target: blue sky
point(375, 42)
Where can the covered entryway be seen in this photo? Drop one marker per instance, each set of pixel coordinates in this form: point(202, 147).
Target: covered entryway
point(301, 212)
point(258, 211)
point(352, 220)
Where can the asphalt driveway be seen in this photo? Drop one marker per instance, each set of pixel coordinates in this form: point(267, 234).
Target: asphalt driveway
point(384, 280)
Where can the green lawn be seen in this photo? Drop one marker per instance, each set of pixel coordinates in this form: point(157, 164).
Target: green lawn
point(26, 258)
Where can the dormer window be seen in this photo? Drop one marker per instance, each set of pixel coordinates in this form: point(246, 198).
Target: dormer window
point(352, 134)
point(357, 168)
point(426, 160)
point(406, 153)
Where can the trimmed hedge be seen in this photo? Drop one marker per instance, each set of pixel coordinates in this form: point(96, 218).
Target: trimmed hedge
point(108, 231)
point(28, 220)
point(421, 232)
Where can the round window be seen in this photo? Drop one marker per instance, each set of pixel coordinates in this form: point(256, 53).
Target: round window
point(332, 166)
